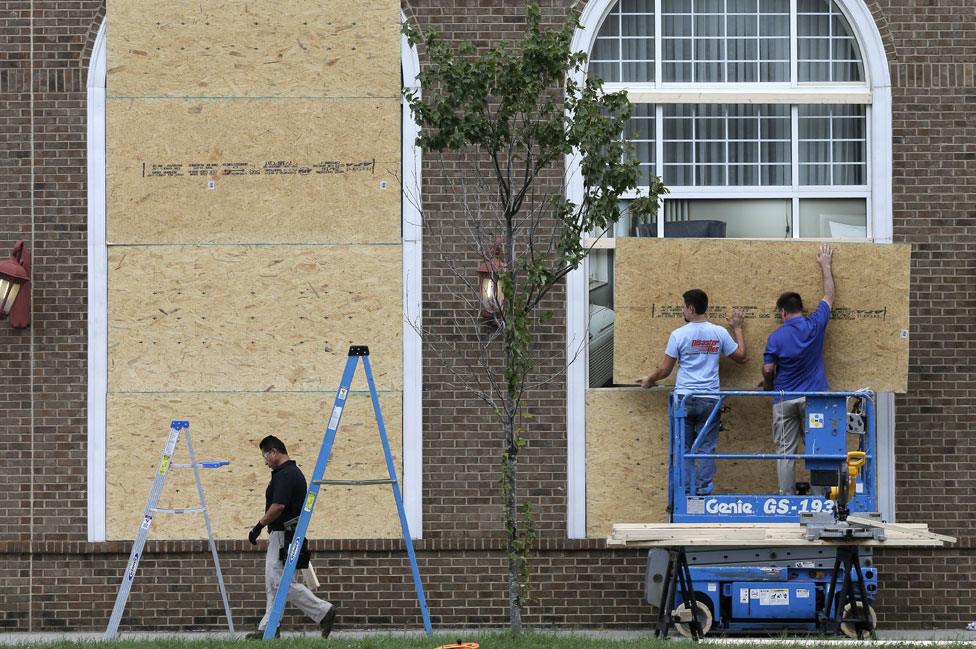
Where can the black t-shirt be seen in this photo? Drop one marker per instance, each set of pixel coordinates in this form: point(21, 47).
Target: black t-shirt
point(288, 488)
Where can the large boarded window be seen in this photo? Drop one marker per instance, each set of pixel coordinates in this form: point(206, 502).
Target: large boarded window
point(766, 120)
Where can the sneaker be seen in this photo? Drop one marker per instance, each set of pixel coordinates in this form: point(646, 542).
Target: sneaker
point(327, 621)
point(971, 626)
point(259, 634)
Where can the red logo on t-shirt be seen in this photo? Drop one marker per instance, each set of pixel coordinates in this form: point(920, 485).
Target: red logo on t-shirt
point(704, 346)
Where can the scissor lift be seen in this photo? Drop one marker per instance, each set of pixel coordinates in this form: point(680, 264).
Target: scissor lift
point(777, 589)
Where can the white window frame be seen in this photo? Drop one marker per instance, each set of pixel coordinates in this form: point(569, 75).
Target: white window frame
point(98, 297)
point(876, 94)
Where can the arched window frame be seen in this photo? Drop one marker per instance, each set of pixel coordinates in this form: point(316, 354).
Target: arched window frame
point(875, 92)
point(98, 296)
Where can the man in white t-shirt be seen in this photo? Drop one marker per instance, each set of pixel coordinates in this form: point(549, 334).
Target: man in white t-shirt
point(697, 348)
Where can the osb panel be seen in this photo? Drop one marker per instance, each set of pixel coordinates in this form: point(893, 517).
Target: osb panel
point(627, 454)
point(252, 318)
point(254, 48)
point(229, 427)
point(626, 458)
point(253, 171)
point(867, 339)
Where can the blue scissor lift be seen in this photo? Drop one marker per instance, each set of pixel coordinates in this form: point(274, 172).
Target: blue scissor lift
point(777, 589)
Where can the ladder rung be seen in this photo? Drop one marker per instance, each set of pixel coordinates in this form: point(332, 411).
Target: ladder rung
point(353, 483)
point(184, 510)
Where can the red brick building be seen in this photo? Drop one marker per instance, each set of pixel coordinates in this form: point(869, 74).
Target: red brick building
point(906, 172)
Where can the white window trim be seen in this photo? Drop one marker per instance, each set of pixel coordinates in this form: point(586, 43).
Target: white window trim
point(879, 215)
point(98, 299)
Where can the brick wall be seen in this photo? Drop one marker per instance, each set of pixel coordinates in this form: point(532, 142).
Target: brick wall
point(50, 579)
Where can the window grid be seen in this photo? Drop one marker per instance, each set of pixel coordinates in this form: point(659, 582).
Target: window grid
point(726, 145)
point(624, 47)
point(641, 132)
point(832, 56)
point(726, 41)
point(834, 139)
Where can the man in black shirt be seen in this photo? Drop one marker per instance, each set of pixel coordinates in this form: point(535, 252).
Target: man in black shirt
point(283, 501)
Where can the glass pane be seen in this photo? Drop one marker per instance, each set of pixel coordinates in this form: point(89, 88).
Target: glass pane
point(744, 129)
point(639, 25)
point(743, 218)
point(774, 72)
point(606, 49)
point(815, 151)
point(637, 6)
point(709, 72)
point(610, 26)
point(676, 71)
point(709, 25)
point(775, 174)
point(678, 175)
point(743, 6)
point(746, 175)
point(710, 175)
point(676, 25)
point(850, 174)
point(774, 6)
point(814, 174)
point(606, 71)
point(678, 152)
point(742, 26)
point(743, 152)
point(676, 49)
point(833, 218)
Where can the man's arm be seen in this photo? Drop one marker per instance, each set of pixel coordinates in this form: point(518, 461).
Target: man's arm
point(823, 258)
point(272, 514)
point(662, 372)
point(735, 323)
point(768, 372)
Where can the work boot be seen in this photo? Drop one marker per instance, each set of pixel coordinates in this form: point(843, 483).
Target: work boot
point(259, 634)
point(327, 621)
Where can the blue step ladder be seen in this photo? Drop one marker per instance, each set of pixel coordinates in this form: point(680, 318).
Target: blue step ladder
point(317, 480)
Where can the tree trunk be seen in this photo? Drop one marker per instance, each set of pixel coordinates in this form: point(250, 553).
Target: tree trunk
point(515, 553)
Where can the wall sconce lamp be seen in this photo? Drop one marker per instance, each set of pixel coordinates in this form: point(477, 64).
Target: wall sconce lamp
point(489, 291)
point(15, 275)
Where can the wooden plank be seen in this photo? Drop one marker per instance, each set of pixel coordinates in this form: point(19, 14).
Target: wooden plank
point(867, 340)
point(914, 530)
point(254, 48)
point(748, 535)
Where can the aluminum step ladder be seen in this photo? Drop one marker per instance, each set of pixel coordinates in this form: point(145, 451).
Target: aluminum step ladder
point(177, 428)
point(317, 480)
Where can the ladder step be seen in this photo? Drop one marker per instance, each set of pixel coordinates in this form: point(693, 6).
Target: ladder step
point(354, 483)
point(184, 510)
point(202, 465)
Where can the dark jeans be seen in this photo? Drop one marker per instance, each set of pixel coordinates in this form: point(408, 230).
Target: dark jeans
point(697, 410)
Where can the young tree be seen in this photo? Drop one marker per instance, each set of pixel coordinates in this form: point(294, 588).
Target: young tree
point(519, 109)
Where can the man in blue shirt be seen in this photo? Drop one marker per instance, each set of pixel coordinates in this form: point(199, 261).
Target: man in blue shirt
point(793, 362)
point(697, 348)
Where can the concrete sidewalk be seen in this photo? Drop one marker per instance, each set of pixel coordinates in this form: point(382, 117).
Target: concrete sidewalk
point(933, 637)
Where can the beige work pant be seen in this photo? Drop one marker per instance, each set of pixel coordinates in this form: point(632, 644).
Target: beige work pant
point(788, 438)
point(298, 594)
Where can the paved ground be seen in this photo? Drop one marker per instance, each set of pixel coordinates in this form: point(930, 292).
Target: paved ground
point(930, 637)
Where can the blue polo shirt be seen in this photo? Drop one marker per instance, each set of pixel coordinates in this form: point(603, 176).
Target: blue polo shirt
point(797, 350)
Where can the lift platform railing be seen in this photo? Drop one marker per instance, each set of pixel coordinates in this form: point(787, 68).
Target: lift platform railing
point(826, 446)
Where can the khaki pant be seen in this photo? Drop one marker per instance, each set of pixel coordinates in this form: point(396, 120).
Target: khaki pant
point(788, 438)
point(298, 594)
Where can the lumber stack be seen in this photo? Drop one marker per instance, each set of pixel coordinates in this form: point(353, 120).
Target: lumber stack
point(637, 535)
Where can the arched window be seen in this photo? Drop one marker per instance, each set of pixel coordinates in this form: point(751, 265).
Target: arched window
point(766, 119)
point(98, 298)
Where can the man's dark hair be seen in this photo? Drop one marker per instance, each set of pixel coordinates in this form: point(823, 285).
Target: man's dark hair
point(696, 298)
point(790, 302)
point(272, 443)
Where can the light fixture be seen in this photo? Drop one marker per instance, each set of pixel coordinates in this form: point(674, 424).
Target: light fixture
point(15, 286)
point(489, 291)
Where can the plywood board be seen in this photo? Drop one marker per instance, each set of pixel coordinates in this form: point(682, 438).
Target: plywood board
point(229, 427)
point(254, 48)
point(253, 171)
point(627, 454)
point(626, 458)
point(252, 318)
point(867, 339)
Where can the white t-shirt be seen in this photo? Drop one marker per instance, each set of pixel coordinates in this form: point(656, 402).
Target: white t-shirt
point(698, 346)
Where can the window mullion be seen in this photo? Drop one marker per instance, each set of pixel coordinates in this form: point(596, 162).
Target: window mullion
point(794, 47)
point(658, 46)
